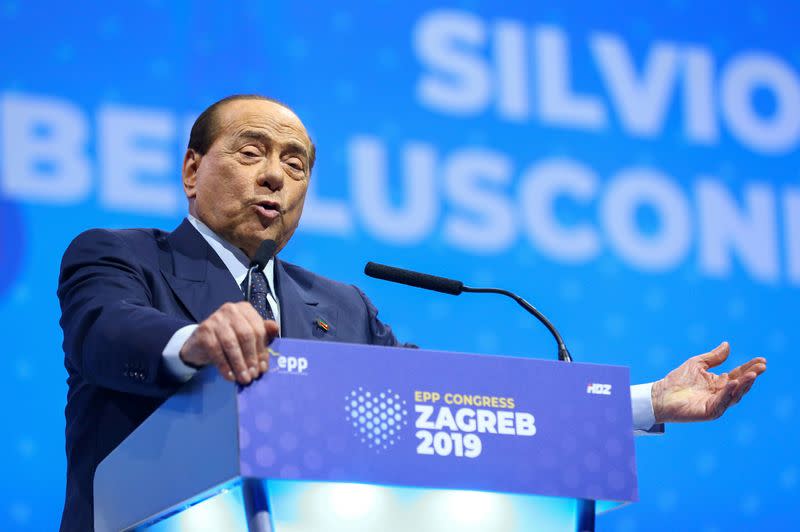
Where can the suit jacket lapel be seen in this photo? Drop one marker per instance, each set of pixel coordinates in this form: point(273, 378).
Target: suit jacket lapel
point(196, 274)
point(301, 312)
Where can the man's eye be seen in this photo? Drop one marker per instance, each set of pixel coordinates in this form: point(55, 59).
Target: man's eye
point(250, 152)
point(297, 164)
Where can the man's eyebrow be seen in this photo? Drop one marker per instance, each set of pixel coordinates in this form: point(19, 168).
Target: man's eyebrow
point(252, 134)
point(292, 146)
point(297, 148)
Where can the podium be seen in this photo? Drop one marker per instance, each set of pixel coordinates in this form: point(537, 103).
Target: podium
point(418, 421)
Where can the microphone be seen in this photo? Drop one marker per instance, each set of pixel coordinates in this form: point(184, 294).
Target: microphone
point(264, 253)
point(454, 287)
point(417, 279)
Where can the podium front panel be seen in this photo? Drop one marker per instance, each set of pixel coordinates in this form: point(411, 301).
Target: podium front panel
point(393, 416)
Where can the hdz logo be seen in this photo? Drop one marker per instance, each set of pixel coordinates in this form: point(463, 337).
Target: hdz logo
point(598, 389)
point(287, 364)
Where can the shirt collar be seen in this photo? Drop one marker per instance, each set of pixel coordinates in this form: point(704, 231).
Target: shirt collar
point(234, 258)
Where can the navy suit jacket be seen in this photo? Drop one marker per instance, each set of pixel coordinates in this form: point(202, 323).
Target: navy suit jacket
point(123, 295)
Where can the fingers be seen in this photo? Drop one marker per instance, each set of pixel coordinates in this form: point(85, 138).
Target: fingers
point(716, 356)
point(233, 352)
point(756, 365)
point(747, 380)
point(250, 331)
point(242, 338)
point(271, 331)
point(722, 399)
point(260, 339)
point(734, 391)
point(203, 347)
point(743, 389)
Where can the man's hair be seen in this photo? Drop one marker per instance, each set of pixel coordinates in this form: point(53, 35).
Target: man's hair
point(206, 128)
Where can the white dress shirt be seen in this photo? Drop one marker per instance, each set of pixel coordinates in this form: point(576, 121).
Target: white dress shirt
point(237, 263)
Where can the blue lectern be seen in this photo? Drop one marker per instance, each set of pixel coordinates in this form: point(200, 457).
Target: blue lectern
point(343, 413)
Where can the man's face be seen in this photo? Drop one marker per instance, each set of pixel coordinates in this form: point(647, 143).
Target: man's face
point(251, 183)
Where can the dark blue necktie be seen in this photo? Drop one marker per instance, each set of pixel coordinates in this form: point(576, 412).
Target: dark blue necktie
point(258, 294)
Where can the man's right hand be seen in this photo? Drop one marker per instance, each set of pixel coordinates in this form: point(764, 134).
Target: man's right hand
point(235, 339)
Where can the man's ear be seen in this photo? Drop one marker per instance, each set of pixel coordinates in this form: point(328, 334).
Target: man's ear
point(191, 162)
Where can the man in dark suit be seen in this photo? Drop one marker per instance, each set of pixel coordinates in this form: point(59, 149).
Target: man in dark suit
point(127, 295)
point(142, 309)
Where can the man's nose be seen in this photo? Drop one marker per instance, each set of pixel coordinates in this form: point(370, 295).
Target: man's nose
point(271, 175)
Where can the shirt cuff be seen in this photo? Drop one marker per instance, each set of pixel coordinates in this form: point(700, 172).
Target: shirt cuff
point(172, 354)
point(644, 419)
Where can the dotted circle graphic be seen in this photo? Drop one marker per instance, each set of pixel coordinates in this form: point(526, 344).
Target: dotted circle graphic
point(376, 418)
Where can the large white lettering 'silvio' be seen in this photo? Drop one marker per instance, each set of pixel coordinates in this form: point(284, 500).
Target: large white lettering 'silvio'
point(525, 73)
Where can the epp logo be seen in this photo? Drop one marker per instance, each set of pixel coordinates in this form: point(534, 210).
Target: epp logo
point(288, 364)
point(598, 389)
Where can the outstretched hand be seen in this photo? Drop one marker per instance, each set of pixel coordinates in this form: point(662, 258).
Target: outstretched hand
point(692, 393)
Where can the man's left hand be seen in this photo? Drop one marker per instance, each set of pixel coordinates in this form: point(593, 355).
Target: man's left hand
point(692, 393)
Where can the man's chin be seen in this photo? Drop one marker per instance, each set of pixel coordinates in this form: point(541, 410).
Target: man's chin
point(254, 239)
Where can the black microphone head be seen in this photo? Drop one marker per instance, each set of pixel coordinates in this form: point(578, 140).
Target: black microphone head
point(411, 278)
point(264, 253)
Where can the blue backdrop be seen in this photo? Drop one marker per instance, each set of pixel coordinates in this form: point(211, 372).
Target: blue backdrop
point(631, 169)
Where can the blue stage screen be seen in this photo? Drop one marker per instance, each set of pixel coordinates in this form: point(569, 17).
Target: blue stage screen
point(631, 169)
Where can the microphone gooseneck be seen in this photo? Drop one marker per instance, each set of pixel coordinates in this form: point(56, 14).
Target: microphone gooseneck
point(454, 287)
point(563, 352)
